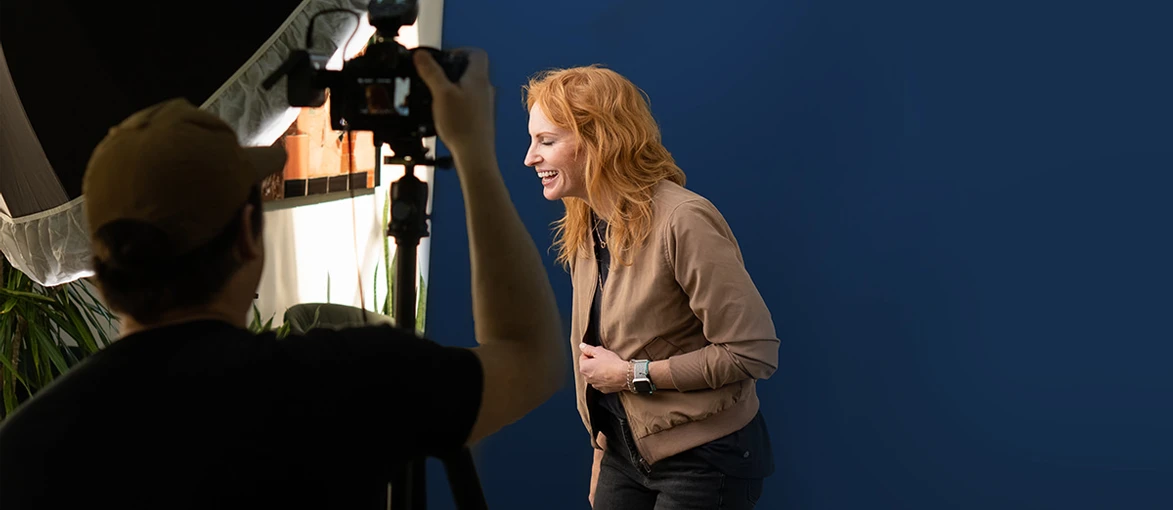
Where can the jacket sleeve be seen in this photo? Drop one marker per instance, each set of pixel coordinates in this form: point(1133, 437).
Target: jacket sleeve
point(704, 255)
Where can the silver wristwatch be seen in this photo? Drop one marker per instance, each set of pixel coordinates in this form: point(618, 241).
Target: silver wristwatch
point(641, 380)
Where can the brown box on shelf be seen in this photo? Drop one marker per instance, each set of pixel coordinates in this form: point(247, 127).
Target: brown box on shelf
point(316, 186)
point(295, 188)
point(361, 180)
point(322, 160)
point(320, 185)
point(336, 183)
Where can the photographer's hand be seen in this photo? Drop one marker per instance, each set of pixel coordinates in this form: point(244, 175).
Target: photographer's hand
point(462, 111)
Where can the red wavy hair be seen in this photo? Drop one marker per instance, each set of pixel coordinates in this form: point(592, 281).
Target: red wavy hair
point(619, 143)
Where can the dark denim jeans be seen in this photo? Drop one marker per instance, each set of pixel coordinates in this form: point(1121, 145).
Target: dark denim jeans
point(681, 482)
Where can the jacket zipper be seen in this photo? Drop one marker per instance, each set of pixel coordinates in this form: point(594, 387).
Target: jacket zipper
point(632, 447)
point(628, 437)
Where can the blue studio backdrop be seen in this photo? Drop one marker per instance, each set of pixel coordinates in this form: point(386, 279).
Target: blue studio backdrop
point(959, 217)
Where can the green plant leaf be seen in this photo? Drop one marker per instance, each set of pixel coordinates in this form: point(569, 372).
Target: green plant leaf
point(81, 331)
point(255, 324)
point(49, 347)
point(90, 309)
point(34, 355)
point(11, 371)
point(388, 260)
point(8, 305)
point(25, 294)
point(389, 305)
point(375, 291)
point(93, 303)
point(34, 322)
point(421, 306)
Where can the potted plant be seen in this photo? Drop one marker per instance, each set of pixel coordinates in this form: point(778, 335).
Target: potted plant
point(44, 331)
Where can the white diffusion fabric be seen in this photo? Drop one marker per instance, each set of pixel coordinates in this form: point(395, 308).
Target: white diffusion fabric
point(52, 247)
point(45, 237)
point(260, 116)
point(41, 233)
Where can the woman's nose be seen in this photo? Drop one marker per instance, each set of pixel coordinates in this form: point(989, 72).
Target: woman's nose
point(531, 158)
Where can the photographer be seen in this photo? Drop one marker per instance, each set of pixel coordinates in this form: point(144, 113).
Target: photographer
point(190, 410)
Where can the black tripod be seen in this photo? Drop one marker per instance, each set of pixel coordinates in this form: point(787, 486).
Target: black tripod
point(409, 224)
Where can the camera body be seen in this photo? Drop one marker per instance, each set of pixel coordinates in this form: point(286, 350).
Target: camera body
point(379, 91)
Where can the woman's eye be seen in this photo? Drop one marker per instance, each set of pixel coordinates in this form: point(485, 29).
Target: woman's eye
point(547, 143)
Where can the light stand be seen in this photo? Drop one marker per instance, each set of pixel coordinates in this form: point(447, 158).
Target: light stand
point(409, 224)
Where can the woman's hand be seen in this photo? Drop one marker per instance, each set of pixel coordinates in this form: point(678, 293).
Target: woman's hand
point(603, 369)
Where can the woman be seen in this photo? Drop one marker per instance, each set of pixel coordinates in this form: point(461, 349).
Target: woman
point(668, 331)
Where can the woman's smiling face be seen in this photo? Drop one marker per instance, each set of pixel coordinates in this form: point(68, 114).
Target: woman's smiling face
point(553, 154)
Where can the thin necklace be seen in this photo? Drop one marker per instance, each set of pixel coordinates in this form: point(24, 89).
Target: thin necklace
point(600, 236)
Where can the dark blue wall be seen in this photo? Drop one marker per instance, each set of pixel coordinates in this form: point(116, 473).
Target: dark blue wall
point(960, 219)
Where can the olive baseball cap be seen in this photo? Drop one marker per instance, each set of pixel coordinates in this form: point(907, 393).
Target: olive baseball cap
point(175, 167)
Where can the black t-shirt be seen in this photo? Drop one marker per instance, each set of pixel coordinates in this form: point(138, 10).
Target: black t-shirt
point(745, 453)
point(207, 415)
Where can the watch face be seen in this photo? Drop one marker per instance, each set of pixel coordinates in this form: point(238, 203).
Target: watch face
point(643, 386)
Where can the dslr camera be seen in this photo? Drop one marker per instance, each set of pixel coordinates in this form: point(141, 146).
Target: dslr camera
point(379, 91)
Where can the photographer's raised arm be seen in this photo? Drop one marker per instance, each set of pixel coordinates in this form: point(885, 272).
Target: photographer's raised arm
point(522, 351)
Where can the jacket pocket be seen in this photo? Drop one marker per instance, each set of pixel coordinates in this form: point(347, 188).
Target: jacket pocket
point(660, 349)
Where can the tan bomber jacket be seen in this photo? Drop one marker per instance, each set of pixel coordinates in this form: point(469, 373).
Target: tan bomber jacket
point(688, 299)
